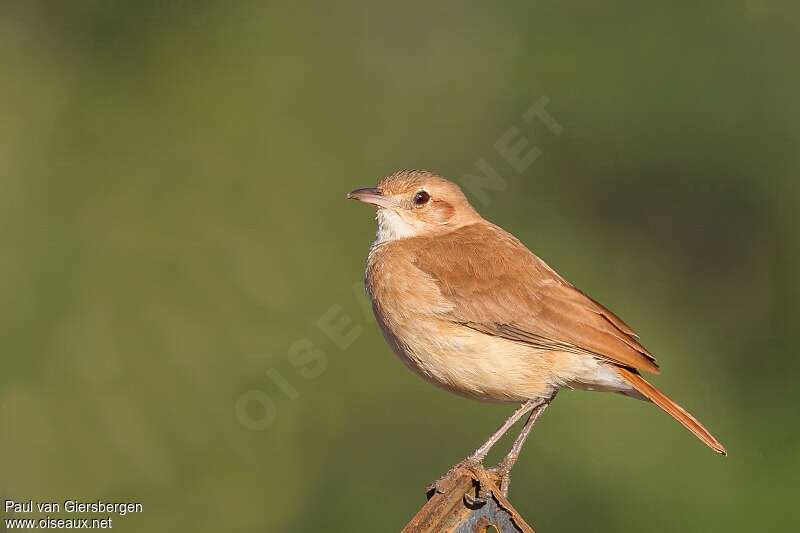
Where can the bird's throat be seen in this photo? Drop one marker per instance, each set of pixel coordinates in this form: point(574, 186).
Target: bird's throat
point(391, 227)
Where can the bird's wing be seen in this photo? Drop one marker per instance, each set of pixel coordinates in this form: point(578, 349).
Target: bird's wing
point(500, 288)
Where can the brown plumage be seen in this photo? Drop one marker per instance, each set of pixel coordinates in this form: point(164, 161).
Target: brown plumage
point(672, 408)
point(502, 289)
point(466, 305)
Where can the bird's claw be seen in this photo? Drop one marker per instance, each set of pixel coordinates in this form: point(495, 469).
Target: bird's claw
point(477, 501)
point(505, 478)
point(441, 485)
point(485, 489)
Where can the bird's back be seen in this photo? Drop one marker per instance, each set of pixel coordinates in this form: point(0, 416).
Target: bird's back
point(482, 277)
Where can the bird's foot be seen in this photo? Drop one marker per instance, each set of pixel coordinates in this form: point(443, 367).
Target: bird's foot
point(503, 472)
point(442, 484)
point(475, 467)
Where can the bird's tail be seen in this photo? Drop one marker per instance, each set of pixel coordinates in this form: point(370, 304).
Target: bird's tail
point(673, 409)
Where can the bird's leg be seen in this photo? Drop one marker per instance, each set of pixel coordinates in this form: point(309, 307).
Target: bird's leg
point(476, 458)
point(480, 454)
point(503, 468)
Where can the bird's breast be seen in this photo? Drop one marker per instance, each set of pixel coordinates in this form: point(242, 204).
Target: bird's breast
point(412, 314)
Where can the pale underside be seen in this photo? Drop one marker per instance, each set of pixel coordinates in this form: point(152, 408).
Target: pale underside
point(484, 367)
point(492, 333)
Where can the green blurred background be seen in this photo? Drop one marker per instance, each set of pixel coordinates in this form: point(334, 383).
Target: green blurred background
point(183, 321)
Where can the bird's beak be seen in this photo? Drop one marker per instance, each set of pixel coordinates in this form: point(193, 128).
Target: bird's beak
point(372, 196)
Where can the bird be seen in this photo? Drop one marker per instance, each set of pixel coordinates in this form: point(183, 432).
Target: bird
point(468, 307)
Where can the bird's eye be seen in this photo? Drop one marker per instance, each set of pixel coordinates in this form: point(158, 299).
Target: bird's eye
point(421, 198)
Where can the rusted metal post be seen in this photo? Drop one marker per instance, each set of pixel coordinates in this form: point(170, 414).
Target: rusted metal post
point(469, 502)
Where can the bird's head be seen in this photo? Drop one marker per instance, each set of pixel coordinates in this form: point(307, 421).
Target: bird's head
point(413, 203)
